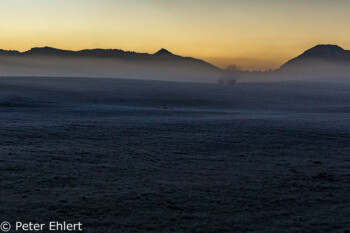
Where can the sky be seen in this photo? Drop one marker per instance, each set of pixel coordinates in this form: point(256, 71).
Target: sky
point(252, 34)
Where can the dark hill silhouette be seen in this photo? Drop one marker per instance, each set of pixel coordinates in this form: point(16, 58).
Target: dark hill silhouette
point(8, 52)
point(91, 53)
point(106, 53)
point(321, 54)
point(48, 61)
point(322, 62)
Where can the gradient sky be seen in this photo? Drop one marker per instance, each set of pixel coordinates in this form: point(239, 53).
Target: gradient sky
point(255, 34)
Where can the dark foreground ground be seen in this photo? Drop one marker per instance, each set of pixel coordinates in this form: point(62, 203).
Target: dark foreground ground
point(245, 158)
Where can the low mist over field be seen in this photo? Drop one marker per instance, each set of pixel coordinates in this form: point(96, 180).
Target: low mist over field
point(328, 63)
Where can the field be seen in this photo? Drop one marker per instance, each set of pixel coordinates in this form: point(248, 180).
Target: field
point(152, 156)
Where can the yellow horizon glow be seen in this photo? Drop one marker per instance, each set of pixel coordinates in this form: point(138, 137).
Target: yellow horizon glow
point(256, 34)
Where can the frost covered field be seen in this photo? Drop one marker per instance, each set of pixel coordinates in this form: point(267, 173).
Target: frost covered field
point(152, 156)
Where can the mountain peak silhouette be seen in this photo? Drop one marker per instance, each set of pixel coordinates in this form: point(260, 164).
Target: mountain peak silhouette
point(324, 51)
point(163, 52)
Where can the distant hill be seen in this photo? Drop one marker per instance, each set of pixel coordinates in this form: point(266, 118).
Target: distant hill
point(321, 62)
point(321, 54)
point(162, 54)
point(329, 63)
point(162, 65)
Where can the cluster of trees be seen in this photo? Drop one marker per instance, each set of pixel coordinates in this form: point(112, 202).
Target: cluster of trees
point(230, 75)
point(233, 72)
